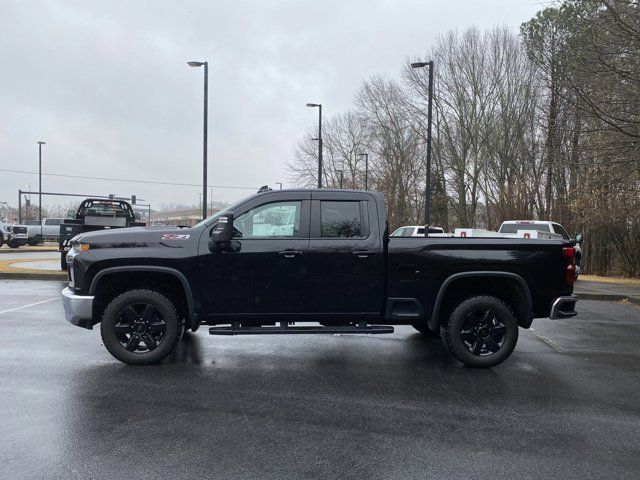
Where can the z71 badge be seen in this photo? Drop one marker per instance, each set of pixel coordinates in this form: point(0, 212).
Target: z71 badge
point(176, 236)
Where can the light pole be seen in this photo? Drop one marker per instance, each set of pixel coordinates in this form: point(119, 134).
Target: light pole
point(427, 190)
point(366, 169)
point(204, 134)
point(279, 183)
point(319, 106)
point(40, 143)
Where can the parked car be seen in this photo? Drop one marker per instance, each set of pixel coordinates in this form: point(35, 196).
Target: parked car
point(512, 226)
point(333, 263)
point(415, 231)
point(14, 235)
point(48, 229)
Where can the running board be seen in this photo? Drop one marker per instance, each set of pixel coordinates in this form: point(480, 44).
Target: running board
point(370, 329)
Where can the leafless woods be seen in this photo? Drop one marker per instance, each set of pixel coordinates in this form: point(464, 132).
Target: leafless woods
point(541, 124)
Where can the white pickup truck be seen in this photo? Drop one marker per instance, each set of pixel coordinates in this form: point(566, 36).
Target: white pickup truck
point(513, 226)
point(13, 235)
point(49, 229)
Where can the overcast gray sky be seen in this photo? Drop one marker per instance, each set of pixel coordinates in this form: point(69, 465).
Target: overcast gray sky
point(107, 86)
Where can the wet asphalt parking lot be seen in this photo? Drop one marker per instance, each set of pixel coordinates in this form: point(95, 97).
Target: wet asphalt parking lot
point(565, 405)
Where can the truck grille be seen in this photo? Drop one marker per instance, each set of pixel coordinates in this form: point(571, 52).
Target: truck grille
point(19, 229)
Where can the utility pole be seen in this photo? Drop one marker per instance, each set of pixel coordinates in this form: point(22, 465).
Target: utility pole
point(366, 170)
point(204, 133)
point(427, 190)
point(40, 143)
point(319, 106)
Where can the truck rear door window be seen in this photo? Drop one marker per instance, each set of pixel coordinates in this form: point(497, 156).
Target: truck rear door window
point(341, 219)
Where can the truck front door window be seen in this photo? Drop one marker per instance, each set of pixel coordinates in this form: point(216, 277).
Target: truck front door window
point(340, 219)
point(280, 219)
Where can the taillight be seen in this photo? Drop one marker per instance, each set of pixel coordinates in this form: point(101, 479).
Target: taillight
point(569, 254)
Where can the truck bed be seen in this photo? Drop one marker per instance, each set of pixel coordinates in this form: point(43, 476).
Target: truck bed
point(418, 267)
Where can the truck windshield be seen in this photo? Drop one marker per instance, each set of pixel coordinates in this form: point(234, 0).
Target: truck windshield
point(514, 227)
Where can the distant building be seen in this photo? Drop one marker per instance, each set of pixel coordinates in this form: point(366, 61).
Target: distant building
point(8, 213)
point(188, 217)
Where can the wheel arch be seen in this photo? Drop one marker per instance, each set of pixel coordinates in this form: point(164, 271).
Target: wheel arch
point(185, 293)
point(517, 294)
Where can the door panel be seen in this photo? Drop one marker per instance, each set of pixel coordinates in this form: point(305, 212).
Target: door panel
point(263, 272)
point(346, 259)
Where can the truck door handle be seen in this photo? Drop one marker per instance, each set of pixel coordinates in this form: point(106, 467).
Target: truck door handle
point(290, 253)
point(363, 253)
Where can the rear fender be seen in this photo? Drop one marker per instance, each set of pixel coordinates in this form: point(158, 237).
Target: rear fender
point(525, 316)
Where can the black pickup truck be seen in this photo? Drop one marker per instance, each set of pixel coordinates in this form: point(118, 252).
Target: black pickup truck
point(319, 257)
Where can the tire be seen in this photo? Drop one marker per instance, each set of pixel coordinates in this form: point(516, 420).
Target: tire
point(140, 327)
point(35, 241)
point(426, 331)
point(13, 244)
point(1, 240)
point(481, 332)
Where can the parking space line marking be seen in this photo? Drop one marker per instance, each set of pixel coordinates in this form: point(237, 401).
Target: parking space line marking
point(27, 306)
point(548, 341)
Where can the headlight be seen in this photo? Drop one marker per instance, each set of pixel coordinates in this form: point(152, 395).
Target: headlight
point(80, 247)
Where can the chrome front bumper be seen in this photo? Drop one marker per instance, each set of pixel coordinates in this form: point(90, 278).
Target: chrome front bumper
point(563, 307)
point(78, 309)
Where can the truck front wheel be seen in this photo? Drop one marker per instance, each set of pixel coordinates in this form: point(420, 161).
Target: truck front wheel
point(140, 327)
point(481, 332)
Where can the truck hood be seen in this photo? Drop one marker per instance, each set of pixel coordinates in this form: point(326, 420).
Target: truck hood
point(137, 237)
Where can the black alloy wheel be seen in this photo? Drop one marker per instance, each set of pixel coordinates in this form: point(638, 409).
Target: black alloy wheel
point(482, 331)
point(140, 327)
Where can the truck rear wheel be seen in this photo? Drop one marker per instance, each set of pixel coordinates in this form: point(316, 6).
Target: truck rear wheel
point(481, 332)
point(140, 327)
point(37, 240)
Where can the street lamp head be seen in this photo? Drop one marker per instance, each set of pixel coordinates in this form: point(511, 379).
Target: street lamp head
point(196, 64)
point(419, 64)
point(313, 105)
point(363, 154)
point(42, 143)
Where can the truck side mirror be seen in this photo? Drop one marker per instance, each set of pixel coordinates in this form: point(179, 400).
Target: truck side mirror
point(579, 237)
point(222, 234)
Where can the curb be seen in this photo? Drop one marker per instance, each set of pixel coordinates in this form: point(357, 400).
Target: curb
point(603, 297)
point(17, 250)
point(56, 277)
